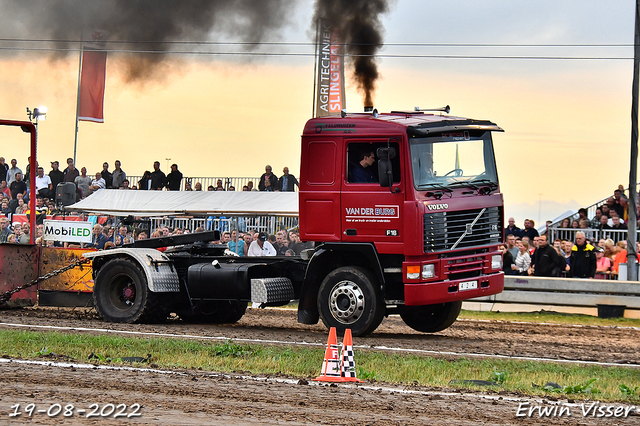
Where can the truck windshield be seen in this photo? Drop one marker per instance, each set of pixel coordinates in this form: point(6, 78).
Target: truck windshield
point(442, 160)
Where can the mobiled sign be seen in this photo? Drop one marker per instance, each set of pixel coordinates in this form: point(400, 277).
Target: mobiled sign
point(67, 230)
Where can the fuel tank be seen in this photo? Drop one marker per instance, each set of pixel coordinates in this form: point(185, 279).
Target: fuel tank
point(228, 281)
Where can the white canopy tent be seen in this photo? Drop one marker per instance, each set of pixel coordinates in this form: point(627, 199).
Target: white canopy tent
point(115, 202)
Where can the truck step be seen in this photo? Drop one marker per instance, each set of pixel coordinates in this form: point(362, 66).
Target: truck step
point(271, 291)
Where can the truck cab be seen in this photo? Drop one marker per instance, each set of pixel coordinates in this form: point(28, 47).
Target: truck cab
point(408, 201)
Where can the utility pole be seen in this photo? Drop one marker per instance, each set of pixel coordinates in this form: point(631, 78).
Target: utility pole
point(632, 271)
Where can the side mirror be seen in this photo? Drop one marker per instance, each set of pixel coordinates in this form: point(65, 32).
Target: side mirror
point(386, 153)
point(385, 172)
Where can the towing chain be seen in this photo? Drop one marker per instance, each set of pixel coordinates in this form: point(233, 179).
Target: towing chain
point(77, 262)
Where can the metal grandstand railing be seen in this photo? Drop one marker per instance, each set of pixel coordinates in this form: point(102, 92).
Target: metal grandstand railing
point(591, 210)
point(593, 235)
point(227, 182)
point(268, 224)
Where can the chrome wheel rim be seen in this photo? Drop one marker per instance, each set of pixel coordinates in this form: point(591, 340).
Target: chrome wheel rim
point(346, 302)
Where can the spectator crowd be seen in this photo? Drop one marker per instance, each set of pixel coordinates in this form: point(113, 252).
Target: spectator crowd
point(575, 252)
point(250, 243)
point(15, 185)
point(16, 192)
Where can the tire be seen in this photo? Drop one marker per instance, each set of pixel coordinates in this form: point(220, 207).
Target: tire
point(216, 312)
point(431, 318)
point(349, 298)
point(120, 294)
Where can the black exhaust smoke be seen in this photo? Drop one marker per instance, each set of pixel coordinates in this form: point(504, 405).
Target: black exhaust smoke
point(148, 25)
point(357, 23)
point(154, 26)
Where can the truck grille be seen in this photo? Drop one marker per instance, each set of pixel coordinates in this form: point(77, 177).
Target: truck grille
point(443, 229)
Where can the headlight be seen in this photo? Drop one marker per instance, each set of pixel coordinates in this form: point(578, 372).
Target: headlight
point(428, 271)
point(496, 261)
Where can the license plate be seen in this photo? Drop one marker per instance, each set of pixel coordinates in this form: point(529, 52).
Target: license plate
point(468, 285)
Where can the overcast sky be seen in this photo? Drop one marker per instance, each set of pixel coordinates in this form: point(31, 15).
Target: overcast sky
point(566, 121)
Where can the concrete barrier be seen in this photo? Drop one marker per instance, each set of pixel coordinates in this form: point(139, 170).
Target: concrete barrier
point(601, 294)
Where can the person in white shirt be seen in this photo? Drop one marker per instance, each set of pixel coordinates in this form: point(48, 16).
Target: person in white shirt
point(98, 183)
point(43, 184)
point(261, 247)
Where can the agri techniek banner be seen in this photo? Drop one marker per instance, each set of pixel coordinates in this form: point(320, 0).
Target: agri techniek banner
point(330, 93)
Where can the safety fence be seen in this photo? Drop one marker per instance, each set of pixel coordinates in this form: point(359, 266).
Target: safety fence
point(268, 224)
point(227, 182)
point(593, 235)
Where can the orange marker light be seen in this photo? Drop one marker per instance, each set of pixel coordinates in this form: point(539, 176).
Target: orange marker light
point(413, 272)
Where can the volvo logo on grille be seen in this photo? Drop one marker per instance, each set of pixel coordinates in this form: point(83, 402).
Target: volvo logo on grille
point(469, 228)
point(437, 206)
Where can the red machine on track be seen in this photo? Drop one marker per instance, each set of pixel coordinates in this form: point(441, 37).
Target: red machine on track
point(405, 212)
point(418, 240)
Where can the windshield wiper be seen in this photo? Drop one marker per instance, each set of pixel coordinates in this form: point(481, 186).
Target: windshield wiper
point(438, 190)
point(489, 188)
point(434, 185)
point(483, 186)
point(487, 182)
point(462, 183)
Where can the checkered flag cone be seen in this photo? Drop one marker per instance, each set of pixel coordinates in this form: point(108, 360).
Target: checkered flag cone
point(348, 362)
point(348, 359)
point(331, 371)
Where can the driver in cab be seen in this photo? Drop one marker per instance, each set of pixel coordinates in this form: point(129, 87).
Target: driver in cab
point(363, 172)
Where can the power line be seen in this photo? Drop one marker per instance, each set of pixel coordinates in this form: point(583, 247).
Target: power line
point(311, 54)
point(310, 43)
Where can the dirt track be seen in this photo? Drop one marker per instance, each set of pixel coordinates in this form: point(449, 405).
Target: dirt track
point(602, 344)
point(202, 398)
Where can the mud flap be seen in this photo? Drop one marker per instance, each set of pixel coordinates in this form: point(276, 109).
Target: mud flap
point(161, 276)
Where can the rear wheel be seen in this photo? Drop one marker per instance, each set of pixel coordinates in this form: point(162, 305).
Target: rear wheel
point(431, 318)
point(120, 294)
point(349, 298)
point(216, 312)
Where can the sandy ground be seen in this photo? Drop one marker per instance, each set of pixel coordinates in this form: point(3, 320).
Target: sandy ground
point(193, 398)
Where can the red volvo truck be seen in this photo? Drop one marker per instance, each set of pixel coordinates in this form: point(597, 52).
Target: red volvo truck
point(416, 239)
point(406, 214)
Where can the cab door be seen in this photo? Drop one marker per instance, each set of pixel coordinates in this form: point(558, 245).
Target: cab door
point(369, 211)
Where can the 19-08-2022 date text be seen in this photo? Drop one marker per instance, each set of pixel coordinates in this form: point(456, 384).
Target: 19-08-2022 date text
point(69, 410)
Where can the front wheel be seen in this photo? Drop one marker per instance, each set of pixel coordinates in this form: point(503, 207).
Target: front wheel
point(431, 318)
point(120, 294)
point(349, 298)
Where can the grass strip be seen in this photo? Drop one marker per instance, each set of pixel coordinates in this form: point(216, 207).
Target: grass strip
point(526, 377)
point(550, 317)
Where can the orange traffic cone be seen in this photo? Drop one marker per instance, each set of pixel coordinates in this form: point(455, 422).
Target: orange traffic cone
point(331, 364)
point(348, 360)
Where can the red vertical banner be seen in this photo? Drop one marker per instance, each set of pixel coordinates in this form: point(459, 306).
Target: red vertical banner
point(330, 90)
point(92, 83)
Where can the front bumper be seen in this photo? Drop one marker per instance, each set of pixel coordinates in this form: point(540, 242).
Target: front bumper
point(448, 291)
